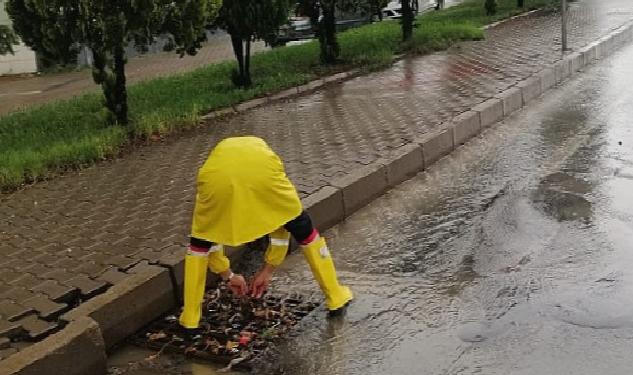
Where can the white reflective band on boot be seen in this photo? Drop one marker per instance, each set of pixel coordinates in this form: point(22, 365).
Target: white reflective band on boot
point(324, 251)
point(197, 253)
point(215, 248)
point(279, 242)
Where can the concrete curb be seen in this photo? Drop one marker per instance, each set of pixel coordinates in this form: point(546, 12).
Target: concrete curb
point(521, 15)
point(78, 349)
point(127, 306)
point(106, 319)
point(282, 95)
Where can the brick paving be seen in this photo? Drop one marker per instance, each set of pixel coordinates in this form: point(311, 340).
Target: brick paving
point(68, 239)
point(17, 92)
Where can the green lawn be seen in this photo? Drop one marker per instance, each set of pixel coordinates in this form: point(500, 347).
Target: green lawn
point(41, 141)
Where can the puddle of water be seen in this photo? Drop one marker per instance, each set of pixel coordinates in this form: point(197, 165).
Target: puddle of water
point(132, 360)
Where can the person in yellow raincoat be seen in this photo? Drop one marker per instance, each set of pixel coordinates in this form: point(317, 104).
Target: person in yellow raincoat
point(243, 194)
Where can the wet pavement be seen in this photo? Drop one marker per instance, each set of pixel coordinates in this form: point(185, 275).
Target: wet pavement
point(88, 230)
point(511, 256)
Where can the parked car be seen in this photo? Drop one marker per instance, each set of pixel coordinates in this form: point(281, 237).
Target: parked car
point(393, 10)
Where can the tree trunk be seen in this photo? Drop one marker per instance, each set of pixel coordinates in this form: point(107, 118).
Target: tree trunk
point(327, 33)
point(247, 65)
point(238, 50)
point(104, 77)
point(491, 7)
point(520, 3)
point(407, 20)
point(120, 88)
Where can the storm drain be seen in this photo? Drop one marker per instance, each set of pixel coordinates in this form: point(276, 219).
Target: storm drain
point(233, 331)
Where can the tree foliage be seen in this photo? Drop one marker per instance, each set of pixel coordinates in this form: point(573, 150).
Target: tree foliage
point(491, 7)
point(246, 21)
point(186, 21)
point(7, 40)
point(322, 15)
point(56, 29)
point(376, 6)
point(48, 27)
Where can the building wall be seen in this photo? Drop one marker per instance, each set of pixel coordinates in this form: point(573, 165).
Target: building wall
point(24, 60)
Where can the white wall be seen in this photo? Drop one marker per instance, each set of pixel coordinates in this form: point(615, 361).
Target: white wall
point(24, 60)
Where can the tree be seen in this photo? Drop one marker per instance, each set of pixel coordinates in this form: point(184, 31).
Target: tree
point(407, 20)
point(247, 21)
point(7, 40)
point(520, 3)
point(323, 18)
point(48, 28)
point(491, 7)
point(57, 28)
point(185, 22)
point(330, 49)
point(376, 6)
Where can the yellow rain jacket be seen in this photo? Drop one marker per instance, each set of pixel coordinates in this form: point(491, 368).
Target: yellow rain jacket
point(243, 193)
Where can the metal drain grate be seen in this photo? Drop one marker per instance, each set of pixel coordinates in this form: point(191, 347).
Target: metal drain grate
point(233, 331)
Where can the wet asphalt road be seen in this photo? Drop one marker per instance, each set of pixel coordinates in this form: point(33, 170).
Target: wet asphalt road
point(512, 256)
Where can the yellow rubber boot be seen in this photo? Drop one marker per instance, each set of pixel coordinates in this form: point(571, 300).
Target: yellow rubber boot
point(195, 279)
point(322, 266)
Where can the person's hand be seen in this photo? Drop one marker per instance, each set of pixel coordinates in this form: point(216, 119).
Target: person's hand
point(261, 281)
point(238, 285)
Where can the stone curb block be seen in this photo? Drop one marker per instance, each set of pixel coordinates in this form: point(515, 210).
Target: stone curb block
point(406, 162)
point(338, 77)
point(310, 86)
point(465, 126)
point(436, 146)
point(127, 306)
point(250, 104)
point(577, 62)
point(604, 47)
point(587, 55)
point(530, 89)
point(512, 100)
point(490, 112)
point(522, 15)
point(548, 79)
point(325, 207)
point(599, 50)
point(561, 70)
point(219, 113)
point(285, 94)
point(619, 38)
point(362, 186)
point(78, 349)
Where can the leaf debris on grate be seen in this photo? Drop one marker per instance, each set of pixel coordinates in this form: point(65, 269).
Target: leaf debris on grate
point(233, 331)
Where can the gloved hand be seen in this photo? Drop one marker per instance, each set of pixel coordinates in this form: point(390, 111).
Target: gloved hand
point(261, 281)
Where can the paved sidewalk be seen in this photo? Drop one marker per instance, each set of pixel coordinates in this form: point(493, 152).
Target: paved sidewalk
point(66, 240)
point(16, 92)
